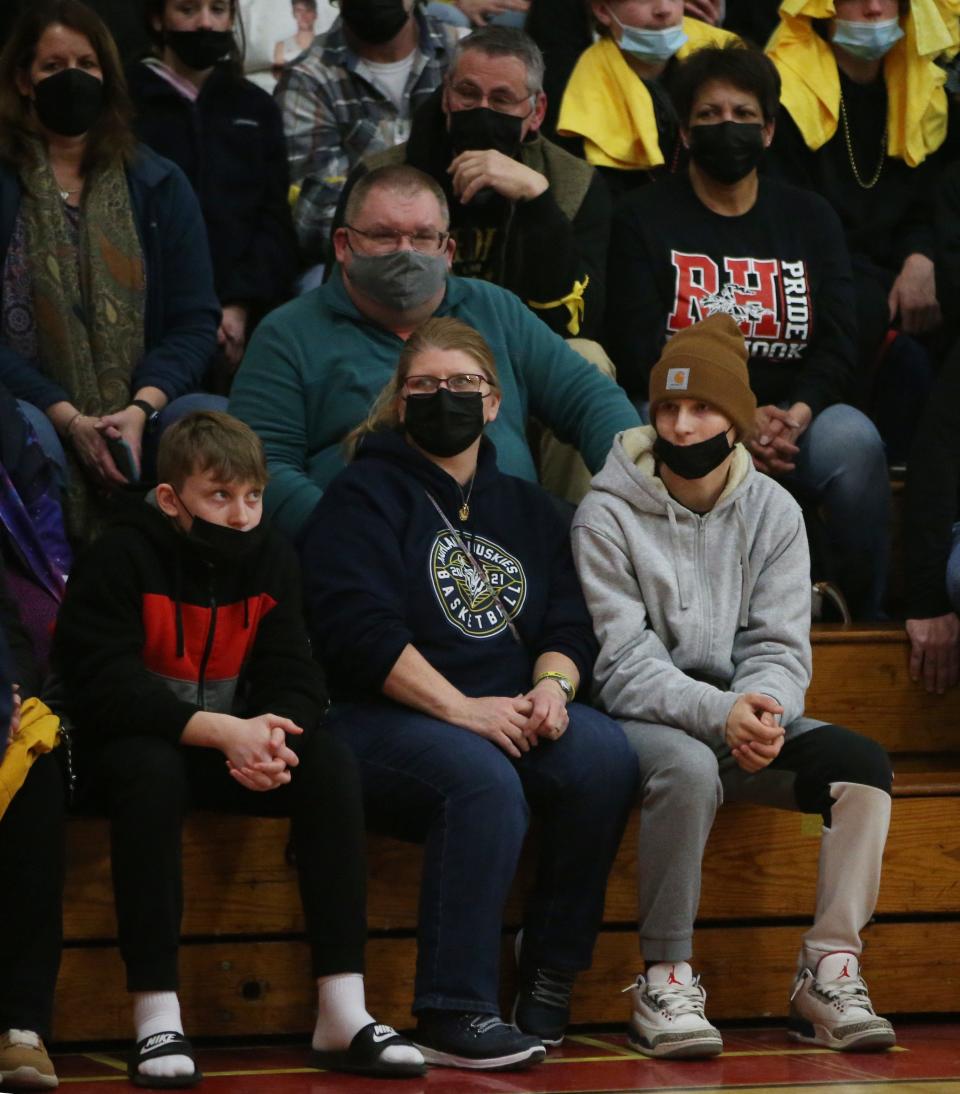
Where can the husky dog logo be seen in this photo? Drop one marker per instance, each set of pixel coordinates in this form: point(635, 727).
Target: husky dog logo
point(725, 302)
point(467, 597)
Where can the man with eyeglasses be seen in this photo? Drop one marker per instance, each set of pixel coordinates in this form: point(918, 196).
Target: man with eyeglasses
point(525, 214)
point(353, 92)
point(315, 367)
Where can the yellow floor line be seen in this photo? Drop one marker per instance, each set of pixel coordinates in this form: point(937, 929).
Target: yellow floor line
point(107, 1061)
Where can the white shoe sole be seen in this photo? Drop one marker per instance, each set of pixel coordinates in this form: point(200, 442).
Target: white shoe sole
point(514, 1062)
point(27, 1078)
point(697, 1046)
point(870, 1040)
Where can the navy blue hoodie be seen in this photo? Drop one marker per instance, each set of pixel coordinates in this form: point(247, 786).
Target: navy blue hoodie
point(382, 570)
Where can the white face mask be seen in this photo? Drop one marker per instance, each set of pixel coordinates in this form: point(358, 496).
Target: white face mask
point(654, 46)
point(867, 40)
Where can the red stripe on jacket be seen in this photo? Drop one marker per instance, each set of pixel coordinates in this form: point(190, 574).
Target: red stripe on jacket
point(232, 641)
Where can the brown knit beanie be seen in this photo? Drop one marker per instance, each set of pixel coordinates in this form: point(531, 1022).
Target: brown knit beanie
point(707, 361)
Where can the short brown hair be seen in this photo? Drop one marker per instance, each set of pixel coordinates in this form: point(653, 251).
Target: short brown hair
point(210, 440)
point(398, 178)
point(440, 332)
point(111, 138)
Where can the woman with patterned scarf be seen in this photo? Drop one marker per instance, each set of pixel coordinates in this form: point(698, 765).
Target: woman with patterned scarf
point(108, 309)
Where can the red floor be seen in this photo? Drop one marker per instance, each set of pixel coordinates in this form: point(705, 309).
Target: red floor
point(927, 1059)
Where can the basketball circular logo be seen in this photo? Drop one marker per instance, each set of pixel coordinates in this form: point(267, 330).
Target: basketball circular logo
point(465, 597)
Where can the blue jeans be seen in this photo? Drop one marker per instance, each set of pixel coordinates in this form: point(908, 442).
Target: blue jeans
point(842, 467)
point(450, 13)
point(53, 447)
point(469, 803)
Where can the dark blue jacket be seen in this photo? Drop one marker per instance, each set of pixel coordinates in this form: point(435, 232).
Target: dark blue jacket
point(381, 570)
point(182, 313)
point(230, 145)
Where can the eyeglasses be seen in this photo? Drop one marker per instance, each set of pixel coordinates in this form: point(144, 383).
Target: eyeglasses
point(385, 240)
point(472, 96)
point(461, 383)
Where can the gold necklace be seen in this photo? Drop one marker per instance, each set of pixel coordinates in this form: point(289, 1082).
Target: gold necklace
point(464, 511)
point(853, 163)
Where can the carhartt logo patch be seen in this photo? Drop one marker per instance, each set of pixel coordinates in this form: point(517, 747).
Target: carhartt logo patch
point(678, 379)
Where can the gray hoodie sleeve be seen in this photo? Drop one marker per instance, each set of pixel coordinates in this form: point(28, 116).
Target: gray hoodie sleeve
point(635, 678)
point(772, 653)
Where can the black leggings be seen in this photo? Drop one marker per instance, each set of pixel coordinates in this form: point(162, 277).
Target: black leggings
point(31, 898)
point(146, 785)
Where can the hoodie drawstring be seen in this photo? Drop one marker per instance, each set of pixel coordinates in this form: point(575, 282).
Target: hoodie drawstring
point(744, 564)
point(675, 547)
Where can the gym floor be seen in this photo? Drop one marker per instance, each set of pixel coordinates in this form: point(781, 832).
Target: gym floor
point(926, 1059)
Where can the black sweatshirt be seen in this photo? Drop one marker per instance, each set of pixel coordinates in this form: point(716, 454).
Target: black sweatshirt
point(885, 223)
point(933, 496)
point(153, 630)
point(781, 270)
point(230, 145)
point(381, 571)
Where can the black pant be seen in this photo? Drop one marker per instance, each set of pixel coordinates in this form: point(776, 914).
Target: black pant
point(146, 785)
point(31, 899)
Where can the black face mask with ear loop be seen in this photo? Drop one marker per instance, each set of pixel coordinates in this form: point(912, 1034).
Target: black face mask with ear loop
point(218, 543)
point(693, 461)
point(727, 151)
point(69, 102)
point(444, 424)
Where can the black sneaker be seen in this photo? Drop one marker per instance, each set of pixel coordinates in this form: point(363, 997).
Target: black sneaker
point(482, 1042)
point(542, 1005)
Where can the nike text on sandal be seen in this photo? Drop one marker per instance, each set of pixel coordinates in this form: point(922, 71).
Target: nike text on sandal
point(169, 1043)
point(479, 1042)
point(366, 1053)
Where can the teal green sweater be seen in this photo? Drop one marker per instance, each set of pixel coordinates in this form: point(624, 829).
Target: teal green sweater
point(315, 366)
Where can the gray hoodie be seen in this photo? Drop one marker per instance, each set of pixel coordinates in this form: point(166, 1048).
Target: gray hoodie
point(692, 611)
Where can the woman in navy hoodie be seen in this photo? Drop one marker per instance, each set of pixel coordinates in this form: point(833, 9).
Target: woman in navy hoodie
point(446, 607)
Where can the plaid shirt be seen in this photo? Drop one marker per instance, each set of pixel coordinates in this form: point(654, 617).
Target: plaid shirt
point(333, 115)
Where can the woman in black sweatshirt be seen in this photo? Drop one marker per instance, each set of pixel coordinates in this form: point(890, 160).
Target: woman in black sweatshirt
point(445, 605)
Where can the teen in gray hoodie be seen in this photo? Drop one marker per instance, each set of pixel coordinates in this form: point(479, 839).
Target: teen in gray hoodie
point(696, 571)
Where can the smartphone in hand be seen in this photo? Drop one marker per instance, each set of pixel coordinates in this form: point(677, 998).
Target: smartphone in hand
point(122, 455)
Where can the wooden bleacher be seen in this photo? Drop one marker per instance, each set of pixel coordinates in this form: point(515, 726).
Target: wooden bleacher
point(244, 964)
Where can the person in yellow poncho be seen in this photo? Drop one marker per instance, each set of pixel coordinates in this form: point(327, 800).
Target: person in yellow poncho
point(864, 115)
point(616, 99)
point(31, 863)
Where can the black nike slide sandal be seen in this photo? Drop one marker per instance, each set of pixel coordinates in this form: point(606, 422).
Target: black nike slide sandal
point(170, 1043)
point(365, 1055)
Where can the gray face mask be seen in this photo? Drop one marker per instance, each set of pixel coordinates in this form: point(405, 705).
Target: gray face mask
point(400, 279)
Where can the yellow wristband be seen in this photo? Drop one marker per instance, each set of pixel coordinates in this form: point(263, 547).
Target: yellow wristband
point(566, 684)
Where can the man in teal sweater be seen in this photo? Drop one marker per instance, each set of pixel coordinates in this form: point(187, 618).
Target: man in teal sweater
point(314, 367)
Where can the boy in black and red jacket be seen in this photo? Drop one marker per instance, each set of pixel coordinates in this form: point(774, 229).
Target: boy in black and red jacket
point(181, 645)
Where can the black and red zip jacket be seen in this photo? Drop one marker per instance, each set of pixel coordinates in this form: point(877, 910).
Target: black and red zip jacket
point(154, 628)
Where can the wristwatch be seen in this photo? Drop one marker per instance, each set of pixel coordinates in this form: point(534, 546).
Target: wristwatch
point(566, 684)
point(150, 412)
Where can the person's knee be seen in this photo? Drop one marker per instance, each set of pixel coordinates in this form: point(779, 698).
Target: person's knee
point(687, 773)
point(844, 756)
point(845, 438)
point(148, 770)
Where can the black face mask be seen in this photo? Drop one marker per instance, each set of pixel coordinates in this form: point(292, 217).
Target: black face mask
point(199, 49)
point(444, 424)
point(217, 543)
point(693, 461)
point(374, 21)
point(482, 128)
point(70, 102)
point(728, 151)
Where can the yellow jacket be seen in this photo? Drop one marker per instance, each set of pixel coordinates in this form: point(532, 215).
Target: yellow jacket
point(607, 103)
point(39, 732)
point(916, 100)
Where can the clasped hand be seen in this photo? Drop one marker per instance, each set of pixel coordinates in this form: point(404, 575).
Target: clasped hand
point(516, 725)
point(752, 732)
point(258, 756)
point(492, 170)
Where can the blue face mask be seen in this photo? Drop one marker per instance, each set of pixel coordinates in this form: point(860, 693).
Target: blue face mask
point(654, 46)
point(868, 41)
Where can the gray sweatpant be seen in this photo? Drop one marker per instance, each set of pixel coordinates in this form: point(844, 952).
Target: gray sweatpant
point(683, 782)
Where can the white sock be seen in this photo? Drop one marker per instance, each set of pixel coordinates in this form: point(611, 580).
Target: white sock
point(159, 1012)
point(342, 1013)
